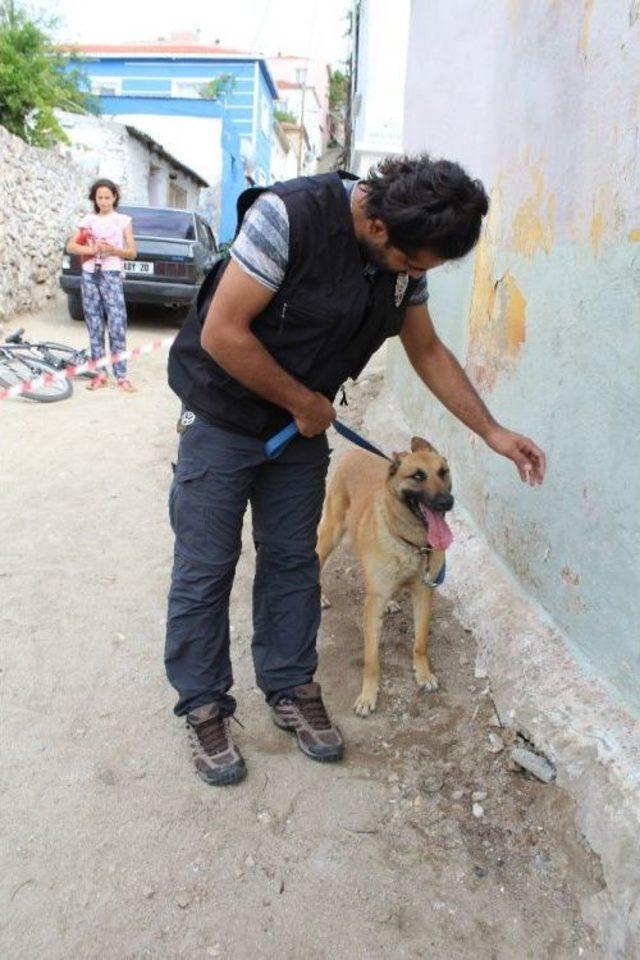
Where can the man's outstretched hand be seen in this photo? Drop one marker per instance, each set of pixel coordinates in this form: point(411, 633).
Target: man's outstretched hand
point(529, 459)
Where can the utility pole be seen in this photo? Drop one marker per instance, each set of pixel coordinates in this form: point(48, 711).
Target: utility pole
point(302, 74)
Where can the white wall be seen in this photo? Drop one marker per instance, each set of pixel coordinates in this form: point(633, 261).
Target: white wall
point(542, 102)
point(283, 158)
point(106, 149)
point(291, 100)
point(379, 94)
point(317, 81)
point(197, 141)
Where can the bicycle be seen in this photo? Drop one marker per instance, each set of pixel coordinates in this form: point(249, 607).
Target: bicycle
point(24, 363)
point(57, 355)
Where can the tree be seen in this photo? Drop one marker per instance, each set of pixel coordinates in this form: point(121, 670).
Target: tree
point(219, 85)
point(337, 91)
point(284, 116)
point(35, 79)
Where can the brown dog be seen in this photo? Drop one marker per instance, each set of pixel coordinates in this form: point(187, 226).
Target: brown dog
point(395, 518)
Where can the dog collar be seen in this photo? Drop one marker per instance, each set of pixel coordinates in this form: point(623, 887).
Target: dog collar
point(423, 551)
point(426, 551)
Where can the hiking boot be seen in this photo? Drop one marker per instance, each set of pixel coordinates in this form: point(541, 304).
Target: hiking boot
point(306, 716)
point(217, 759)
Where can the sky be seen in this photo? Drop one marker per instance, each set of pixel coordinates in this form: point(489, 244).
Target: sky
point(312, 28)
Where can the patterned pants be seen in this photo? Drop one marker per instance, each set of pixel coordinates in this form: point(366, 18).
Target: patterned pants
point(103, 299)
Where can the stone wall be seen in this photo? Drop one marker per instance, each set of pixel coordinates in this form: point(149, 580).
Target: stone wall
point(43, 193)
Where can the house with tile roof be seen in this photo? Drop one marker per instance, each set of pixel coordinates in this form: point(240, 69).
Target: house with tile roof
point(210, 106)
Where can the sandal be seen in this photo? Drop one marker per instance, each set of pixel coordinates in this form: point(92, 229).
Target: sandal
point(100, 381)
point(126, 385)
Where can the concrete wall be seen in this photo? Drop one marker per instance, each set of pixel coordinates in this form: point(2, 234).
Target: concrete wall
point(540, 100)
point(43, 195)
point(107, 149)
point(379, 82)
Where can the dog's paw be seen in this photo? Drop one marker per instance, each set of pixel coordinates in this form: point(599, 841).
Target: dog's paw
point(427, 681)
point(365, 704)
point(392, 607)
point(325, 603)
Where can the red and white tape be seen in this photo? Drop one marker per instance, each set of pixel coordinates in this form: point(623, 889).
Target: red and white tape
point(68, 372)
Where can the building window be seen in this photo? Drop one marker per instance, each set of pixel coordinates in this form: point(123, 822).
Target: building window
point(191, 89)
point(106, 86)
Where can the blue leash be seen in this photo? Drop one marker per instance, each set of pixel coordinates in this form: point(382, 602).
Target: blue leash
point(274, 447)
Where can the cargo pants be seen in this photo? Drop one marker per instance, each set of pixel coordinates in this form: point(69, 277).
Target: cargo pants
point(217, 475)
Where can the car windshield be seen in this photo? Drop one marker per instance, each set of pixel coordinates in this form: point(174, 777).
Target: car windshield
point(151, 222)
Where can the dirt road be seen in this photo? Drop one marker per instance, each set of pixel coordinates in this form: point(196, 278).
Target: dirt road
point(112, 846)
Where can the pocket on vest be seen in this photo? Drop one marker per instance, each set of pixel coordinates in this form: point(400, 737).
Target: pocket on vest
point(297, 337)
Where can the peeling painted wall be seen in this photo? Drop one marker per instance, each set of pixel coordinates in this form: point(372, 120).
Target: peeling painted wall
point(541, 101)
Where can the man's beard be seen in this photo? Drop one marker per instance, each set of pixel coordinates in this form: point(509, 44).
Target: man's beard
point(375, 255)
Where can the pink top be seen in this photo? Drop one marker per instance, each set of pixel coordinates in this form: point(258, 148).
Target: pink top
point(109, 227)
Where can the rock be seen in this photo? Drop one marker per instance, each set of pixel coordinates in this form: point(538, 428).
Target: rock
point(392, 607)
point(495, 743)
point(480, 673)
point(249, 862)
point(535, 763)
point(457, 795)
point(148, 892)
point(432, 783)
point(183, 900)
point(393, 778)
point(325, 603)
point(479, 795)
point(477, 811)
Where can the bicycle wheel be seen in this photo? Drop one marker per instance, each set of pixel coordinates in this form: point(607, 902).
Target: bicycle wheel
point(16, 370)
point(61, 356)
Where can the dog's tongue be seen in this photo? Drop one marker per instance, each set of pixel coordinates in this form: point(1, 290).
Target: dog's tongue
point(439, 534)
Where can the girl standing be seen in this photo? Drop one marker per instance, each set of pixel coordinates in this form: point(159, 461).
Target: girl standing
point(107, 241)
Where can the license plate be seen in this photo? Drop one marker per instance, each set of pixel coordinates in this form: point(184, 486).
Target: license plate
point(138, 266)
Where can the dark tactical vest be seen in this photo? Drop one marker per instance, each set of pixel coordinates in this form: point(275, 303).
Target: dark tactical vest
point(322, 326)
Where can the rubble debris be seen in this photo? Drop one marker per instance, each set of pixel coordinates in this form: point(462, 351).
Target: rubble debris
point(535, 763)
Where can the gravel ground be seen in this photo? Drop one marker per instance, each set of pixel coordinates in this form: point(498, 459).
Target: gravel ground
point(113, 848)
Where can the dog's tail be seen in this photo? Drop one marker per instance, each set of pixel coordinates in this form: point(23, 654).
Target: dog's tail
point(334, 519)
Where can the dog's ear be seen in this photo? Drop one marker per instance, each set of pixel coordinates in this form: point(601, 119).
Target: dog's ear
point(395, 463)
point(417, 443)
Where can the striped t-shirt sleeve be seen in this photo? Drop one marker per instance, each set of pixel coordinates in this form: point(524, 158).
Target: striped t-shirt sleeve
point(262, 245)
point(420, 293)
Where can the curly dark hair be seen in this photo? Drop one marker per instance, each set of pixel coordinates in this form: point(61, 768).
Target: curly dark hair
point(426, 204)
point(110, 185)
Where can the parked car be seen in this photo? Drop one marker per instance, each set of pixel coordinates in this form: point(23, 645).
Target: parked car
point(176, 248)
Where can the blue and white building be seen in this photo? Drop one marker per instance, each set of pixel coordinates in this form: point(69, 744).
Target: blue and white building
point(158, 88)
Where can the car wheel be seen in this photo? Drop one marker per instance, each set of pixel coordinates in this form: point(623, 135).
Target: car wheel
point(74, 304)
